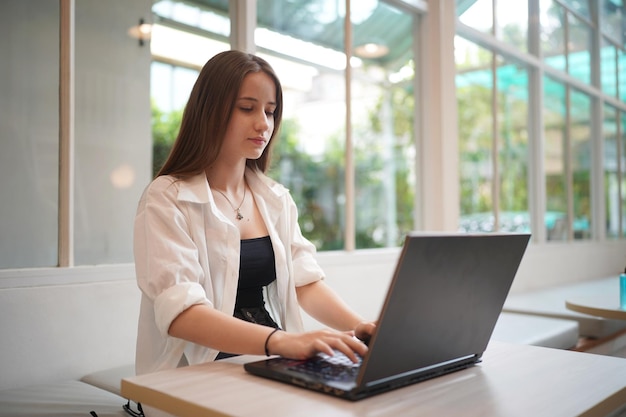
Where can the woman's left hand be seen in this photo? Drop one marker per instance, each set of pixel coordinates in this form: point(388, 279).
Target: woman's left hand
point(364, 331)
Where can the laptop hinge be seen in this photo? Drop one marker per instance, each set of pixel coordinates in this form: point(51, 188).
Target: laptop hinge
point(443, 366)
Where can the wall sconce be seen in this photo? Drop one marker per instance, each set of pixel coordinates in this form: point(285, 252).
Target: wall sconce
point(142, 31)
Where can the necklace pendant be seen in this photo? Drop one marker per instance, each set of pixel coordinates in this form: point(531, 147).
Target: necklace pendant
point(239, 216)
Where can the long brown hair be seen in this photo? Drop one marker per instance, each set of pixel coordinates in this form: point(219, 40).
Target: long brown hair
point(208, 111)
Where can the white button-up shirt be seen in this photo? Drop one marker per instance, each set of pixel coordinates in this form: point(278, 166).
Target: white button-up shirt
point(187, 253)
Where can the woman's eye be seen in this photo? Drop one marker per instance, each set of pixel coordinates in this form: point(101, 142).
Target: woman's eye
point(269, 112)
point(246, 109)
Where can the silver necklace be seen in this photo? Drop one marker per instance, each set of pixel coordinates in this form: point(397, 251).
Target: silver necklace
point(239, 216)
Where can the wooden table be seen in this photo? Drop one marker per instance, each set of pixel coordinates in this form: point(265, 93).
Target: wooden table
point(601, 305)
point(512, 380)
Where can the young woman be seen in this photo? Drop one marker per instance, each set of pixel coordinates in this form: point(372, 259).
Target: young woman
point(220, 259)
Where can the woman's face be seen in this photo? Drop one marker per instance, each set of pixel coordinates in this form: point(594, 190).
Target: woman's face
point(252, 121)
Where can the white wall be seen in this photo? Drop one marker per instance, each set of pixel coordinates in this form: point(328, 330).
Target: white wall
point(58, 332)
point(546, 265)
point(29, 132)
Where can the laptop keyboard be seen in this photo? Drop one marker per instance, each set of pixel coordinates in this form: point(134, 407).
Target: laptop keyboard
point(337, 367)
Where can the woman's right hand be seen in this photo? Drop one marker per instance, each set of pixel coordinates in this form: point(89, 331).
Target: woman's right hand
point(306, 345)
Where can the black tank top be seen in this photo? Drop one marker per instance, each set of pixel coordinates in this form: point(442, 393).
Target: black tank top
point(257, 269)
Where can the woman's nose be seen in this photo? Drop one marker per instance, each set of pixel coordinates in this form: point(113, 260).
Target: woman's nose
point(262, 122)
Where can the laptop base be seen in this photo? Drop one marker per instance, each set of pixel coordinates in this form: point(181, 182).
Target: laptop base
point(278, 370)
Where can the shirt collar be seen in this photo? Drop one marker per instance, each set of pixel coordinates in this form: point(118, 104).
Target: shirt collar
point(196, 189)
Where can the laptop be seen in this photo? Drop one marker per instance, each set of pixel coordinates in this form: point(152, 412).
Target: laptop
point(440, 310)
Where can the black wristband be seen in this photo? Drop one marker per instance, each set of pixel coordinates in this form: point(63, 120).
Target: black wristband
point(267, 353)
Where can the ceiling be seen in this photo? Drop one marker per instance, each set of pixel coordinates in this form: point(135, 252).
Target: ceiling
point(321, 22)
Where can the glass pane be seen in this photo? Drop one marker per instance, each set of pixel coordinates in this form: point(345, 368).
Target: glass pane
point(309, 155)
point(580, 143)
point(554, 160)
point(112, 145)
point(611, 172)
point(579, 6)
point(613, 15)
point(209, 15)
point(184, 47)
point(169, 88)
point(474, 90)
point(29, 133)
point(382, 125)
point(190, 47)
point(608, 68)
point(470, 57)
point(512, 23)
point(477, 14)
point(512, 82)
point(579, 43)
point(170, 85)
point(552, 34)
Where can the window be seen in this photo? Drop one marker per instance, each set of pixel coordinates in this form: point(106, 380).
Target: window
point(311, 155)
point(581, 157)
point(555, 151)
point(494, 86)
point(614, 171)
point(528, 83)
point(578, 46)
point(493, 146)
point(567, 162)
point(553, 42)
point(566, 38)
point(613, 15)
point(475, 84)
point(609, 68)
point(511, 23)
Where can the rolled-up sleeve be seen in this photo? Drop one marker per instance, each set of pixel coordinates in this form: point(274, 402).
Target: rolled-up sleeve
point(166, 257)
point(174, 300)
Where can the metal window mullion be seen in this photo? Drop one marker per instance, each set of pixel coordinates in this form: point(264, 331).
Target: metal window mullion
point(495, 185)
point(617, 74)
point(537, 171)
point(243, 24)
point(495, 145)
point(567, 158)
point(419, 47)
point(492, 32)
point(621, 169)
point(598, 204)
point(350, 233)
point(66, 133)
point(536, 166)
